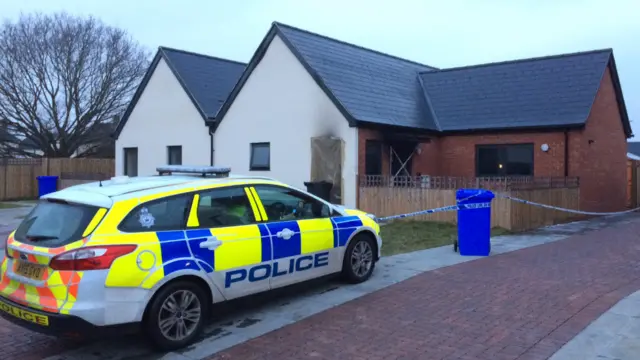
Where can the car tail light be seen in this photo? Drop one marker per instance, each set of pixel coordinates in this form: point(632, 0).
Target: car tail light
point(90, 258)
point(6, 249)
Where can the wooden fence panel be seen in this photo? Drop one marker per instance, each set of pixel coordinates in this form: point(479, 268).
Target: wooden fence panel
point(507, 214)
point(386, 201)
point(18, 177)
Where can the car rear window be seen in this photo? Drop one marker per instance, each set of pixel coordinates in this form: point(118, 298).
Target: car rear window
point(53, 224)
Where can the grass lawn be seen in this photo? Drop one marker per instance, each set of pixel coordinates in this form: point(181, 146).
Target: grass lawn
point(405, 236)
point(4, 205)
point(17, 204)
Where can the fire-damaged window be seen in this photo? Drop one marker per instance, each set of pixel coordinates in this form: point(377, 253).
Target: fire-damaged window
point(373, 157)
point(504, 160)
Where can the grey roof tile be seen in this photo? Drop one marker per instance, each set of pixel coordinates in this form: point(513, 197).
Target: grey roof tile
point(208, 79)
point(541, 92)
point(633, 147)
point(372, 86)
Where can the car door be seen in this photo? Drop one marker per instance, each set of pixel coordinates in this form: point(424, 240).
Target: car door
point(232, 247)
point(302, 235)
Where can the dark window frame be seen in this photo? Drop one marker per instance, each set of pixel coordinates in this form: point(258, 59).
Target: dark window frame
point(183, 224)
point(295, 193)
point(377, 146)
point(126, 160)
point(169, 149)
point(253, 167)
point(502, 157)
point(205, 191)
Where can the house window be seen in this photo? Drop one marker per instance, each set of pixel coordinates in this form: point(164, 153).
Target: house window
point(131, 161)
point(174, 155)
point(260, 156)
point(504, 160)
point(373, 157)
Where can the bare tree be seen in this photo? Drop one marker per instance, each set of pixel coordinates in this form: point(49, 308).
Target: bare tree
point(63, 78)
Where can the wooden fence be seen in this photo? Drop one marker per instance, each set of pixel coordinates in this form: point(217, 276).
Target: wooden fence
point(385, 197)
point(633, 184)
point(18, 177)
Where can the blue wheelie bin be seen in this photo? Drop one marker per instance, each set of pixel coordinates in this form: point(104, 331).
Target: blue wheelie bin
point(474, 221)
point(47, 185)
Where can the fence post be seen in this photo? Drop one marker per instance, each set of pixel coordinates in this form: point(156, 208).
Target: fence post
point(5, 164)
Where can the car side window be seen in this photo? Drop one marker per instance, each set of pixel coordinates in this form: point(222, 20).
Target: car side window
point(224, 207)
point(164, 214)
point(282, 203)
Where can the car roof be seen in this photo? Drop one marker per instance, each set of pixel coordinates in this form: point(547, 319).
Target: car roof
point(106, 193)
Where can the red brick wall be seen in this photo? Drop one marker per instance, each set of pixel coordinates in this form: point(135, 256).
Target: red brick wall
point(601, 164)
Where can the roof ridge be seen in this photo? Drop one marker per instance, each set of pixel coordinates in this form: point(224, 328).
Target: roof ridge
point(279, 24)
point(538, 58)
point(166, 48)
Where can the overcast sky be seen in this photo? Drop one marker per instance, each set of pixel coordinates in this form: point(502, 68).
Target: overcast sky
point(438, 33)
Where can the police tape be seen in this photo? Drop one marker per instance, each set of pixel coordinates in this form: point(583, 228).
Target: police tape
point(488, 204)
point(565, 209)
point(437, 210)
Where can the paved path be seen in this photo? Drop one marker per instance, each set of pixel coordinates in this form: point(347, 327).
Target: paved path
point(613, 336)
point(9, 220)
point(522, 305)
point(440, 317)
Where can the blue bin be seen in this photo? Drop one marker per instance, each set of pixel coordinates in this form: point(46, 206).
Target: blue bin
point(474, 222)
point(47, 185)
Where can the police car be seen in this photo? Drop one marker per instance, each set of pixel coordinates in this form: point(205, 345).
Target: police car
point(156, 252)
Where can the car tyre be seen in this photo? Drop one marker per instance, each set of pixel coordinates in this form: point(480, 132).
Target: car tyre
point(176, 315)
point(359, 259)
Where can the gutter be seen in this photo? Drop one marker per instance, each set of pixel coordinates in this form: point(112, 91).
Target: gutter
point(210, 146)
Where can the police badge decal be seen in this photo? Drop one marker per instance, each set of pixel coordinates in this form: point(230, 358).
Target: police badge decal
point(146, 219)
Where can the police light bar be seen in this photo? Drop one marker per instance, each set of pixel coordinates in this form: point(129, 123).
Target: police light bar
point(199, 170)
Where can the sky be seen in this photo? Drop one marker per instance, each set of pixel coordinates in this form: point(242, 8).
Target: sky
point(437, 33)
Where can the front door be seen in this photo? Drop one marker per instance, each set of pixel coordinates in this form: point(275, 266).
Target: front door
point(301, 235)
point(235, 249)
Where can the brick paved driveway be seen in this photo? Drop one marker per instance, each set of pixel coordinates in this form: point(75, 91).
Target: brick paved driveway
point(520, 305)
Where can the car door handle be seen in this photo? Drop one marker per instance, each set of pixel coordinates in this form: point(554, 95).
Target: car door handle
point(285, 234)
point(210, 243)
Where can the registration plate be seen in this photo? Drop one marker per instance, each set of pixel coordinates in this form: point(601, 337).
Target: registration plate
point(31, 271)
point(25, 315)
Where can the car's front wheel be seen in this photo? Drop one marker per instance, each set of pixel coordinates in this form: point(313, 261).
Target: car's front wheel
point(358, 263)
point(176, 315)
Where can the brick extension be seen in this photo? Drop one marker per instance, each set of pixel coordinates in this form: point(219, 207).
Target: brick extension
point(600, 164)
point(522, 305)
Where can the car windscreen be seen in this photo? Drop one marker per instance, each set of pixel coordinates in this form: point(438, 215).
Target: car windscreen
point(54, 224)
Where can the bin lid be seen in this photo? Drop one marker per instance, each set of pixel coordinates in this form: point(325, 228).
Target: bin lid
point(479, 194)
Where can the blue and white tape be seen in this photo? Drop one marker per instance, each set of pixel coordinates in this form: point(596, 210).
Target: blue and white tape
point(436, 210)
point(565, 209)
point(488, 204)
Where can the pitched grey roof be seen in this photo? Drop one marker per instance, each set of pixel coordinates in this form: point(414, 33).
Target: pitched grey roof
point(633, 148)
point(207, 80)
point(542, 92)
point(372, 86)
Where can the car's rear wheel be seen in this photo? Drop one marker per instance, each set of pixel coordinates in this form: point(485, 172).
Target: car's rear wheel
point(359, 259)
point(176, 315)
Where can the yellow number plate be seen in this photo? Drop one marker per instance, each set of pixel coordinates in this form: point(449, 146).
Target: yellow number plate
point(25, 315)
point(29, 270)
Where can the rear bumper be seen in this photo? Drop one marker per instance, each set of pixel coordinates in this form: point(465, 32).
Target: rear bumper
point(56, 324)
